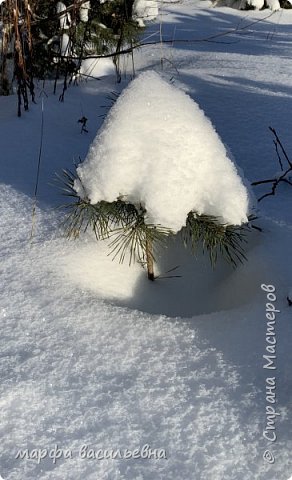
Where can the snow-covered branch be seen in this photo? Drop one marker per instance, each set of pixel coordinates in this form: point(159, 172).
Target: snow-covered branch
point(211, 38)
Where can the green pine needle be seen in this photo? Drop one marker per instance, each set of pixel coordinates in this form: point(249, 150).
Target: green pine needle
point(126, 224)
point(134, 237)
point(215, 237)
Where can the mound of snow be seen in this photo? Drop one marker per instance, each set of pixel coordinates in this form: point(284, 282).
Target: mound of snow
point(145, 10)
point(273, 4)
point(243, 4)
point(97, 67)
point(158, 149)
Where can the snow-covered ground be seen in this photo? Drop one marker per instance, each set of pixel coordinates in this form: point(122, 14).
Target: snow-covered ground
point(93, 355)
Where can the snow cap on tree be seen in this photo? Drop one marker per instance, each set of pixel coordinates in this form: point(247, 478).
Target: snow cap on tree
point(159, 150)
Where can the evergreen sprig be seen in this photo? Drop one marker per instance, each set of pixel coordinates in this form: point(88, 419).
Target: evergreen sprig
point(136, 238)
point(120, 219)
point(126, 225)
point(215, 237)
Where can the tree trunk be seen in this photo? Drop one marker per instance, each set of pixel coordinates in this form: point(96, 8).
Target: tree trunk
point(149, 260)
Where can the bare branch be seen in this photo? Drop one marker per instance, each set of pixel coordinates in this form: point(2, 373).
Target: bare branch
point(282, 178)
point(278, 142)
point(211, 38)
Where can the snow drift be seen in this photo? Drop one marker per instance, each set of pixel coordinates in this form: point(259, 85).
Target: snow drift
point(145, 10)
point(97, 67)
point(158, 149)
point(247, 4)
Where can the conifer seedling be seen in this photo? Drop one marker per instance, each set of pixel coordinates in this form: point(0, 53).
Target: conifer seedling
point(156, 169)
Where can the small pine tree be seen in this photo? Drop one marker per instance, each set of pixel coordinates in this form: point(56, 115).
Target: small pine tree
point(125, 225)
point(157, 162)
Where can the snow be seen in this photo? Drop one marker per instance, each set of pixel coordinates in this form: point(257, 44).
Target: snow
point(171, 164)
point(65, 19)
point(97, 67)
point(273, 4)
point(91, 353)
point(145, 10)
point(258, 4)
point(65, 45)
point(84, 11)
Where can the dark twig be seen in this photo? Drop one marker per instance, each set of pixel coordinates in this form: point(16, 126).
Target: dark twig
point(211, 38)
point(278, 155)
point(285, 175)
point(278, 142)
point(83, 121)
point(38, 174)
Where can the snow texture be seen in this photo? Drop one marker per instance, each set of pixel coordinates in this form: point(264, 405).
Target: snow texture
point(273, 4)
point(171, 164)
point(145, 10)
point(65, 45)
point(93, 353)
point(257, 4)
point(97, 67)
point(84, 11)
point(65, 19)
point(242, 4)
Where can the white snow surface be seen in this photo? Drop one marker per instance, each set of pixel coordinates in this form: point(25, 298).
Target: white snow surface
point(84, 11)
point(65, 20)
point(145, 10)
point(91, 352)
point(158, 149)
point(97, 67)
point(65, 45)
point(273, 4)
point(258, 4)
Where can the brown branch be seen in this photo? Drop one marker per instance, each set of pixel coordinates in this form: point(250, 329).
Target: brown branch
point(149, 260)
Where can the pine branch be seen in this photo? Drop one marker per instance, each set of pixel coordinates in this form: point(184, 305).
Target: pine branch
point(135, 237)
point(112, 97)
point(211, 38)
point(215, 238)
point(131, 236)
